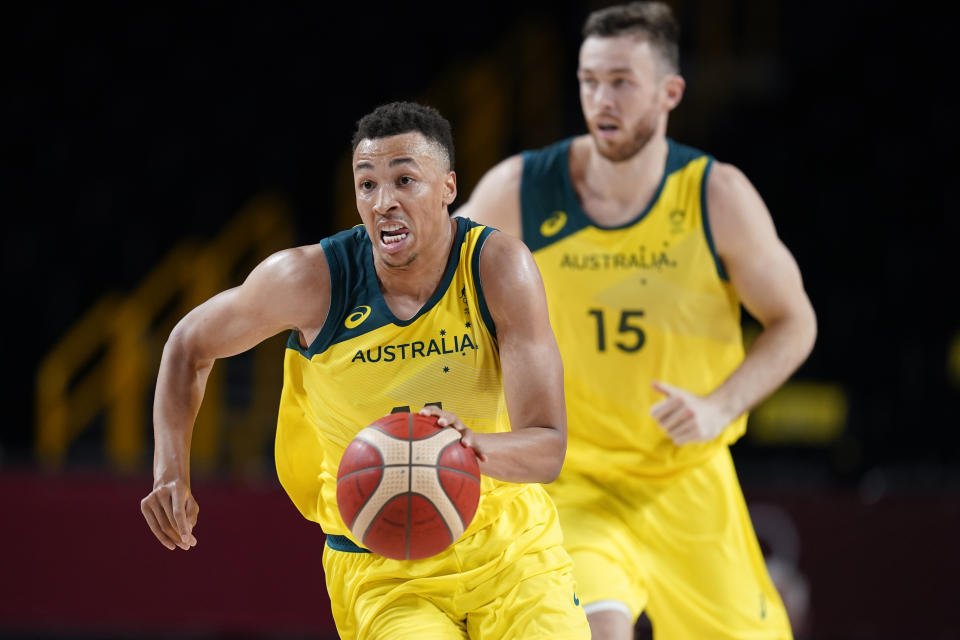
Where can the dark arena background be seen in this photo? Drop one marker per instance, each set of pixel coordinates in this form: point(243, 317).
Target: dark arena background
point(153, 153)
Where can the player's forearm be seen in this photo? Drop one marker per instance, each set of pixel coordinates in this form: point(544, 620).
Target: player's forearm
point(776, 353)
point(531, 454)
point(180, 386)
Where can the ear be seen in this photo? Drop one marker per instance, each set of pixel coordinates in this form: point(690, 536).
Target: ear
point(673, 86)
point(450, 188)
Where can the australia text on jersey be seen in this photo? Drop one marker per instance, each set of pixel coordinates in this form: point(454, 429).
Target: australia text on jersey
point(415, 349)
point(642, 258)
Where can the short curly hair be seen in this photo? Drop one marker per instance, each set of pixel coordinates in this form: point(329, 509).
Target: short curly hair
point(395, 118)
point(654, 20)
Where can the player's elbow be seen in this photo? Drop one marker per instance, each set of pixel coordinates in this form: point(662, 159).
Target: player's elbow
point(552, 473)
point(807, 329)
point(183, 346)
point(553, 461)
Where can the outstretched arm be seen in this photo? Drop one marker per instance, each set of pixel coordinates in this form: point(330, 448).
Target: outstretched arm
point(534, 448)
point(495, 201)
point(768, 281)
point(289, 290)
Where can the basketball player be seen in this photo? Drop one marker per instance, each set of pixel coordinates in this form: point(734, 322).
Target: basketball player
point(647, 249)
point(401, 311)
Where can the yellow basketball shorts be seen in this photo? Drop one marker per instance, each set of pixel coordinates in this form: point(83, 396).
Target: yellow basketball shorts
point(509, 580)
point(680, 547)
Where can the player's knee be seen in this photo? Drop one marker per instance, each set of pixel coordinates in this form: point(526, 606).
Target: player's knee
point(610, 624)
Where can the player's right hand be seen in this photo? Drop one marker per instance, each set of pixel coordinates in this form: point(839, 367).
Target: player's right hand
point(446, 419)
point(171, 512)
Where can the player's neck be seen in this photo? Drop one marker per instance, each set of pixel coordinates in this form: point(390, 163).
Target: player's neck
point(613, 193)
point(407, 288)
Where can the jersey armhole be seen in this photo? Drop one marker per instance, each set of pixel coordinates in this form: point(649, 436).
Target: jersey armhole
point(478, 285)
point(336, 310)
point(705, 221)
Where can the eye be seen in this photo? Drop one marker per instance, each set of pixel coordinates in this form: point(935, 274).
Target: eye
point(366, 185)
point(404, 180)
point(588, 82)
point(619, 82)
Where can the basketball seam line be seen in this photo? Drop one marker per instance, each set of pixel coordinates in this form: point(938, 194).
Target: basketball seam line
point(404, 464)
point(363, 504)
point(463, 523)
point(409, 482)
point(412, 439)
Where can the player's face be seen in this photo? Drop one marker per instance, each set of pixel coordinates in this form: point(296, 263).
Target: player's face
point(403, 189)
point(623, 94)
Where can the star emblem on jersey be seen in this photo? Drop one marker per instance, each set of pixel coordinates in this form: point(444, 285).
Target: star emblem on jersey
point(443, 332)
point(446, 369)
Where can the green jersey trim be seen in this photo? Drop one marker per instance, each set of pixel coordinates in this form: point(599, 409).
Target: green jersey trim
point(706, 222)
point(345, 544)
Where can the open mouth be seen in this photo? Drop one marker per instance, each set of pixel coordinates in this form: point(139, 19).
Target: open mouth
point(393, 233)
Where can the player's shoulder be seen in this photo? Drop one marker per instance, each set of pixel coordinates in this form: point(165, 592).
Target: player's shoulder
point(727, 186)
point(502, 246)
point(504, 177)
point(735, 209)
point(505, 258)
point(494, 201)
point(347, 250)
point(509, 168)
point(351, 239)
point(294, 268)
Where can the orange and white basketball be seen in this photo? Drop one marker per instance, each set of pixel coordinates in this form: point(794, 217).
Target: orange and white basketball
point(406, 488)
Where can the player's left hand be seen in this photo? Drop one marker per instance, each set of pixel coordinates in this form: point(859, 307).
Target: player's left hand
point(687, 417)
point(446, 419)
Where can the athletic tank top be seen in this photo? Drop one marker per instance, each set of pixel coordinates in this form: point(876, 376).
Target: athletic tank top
point(648, 300)
point(365, 363)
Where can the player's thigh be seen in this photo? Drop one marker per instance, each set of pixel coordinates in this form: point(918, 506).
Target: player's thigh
point(608, 556)
point(709, 578)
point(410, 616)
point(535, 599)
point(606, 585)
point(375, 598)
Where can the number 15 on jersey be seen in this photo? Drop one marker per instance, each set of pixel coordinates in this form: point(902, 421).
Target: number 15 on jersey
point(630, 336)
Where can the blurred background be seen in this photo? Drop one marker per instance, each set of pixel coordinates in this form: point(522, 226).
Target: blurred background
point(152, 154)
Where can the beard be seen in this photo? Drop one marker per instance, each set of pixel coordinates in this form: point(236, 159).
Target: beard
point(623, 151)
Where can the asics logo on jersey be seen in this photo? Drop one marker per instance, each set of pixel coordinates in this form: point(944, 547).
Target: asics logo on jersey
point(552, 225)
point(356, 318)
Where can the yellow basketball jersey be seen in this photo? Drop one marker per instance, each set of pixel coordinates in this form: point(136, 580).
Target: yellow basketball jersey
point(645, 301)
point(365, 363)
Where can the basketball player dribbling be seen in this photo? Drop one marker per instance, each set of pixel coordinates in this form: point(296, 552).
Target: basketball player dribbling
point(401, 311)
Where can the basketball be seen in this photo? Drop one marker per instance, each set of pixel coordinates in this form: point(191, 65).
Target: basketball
point(406, 488)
